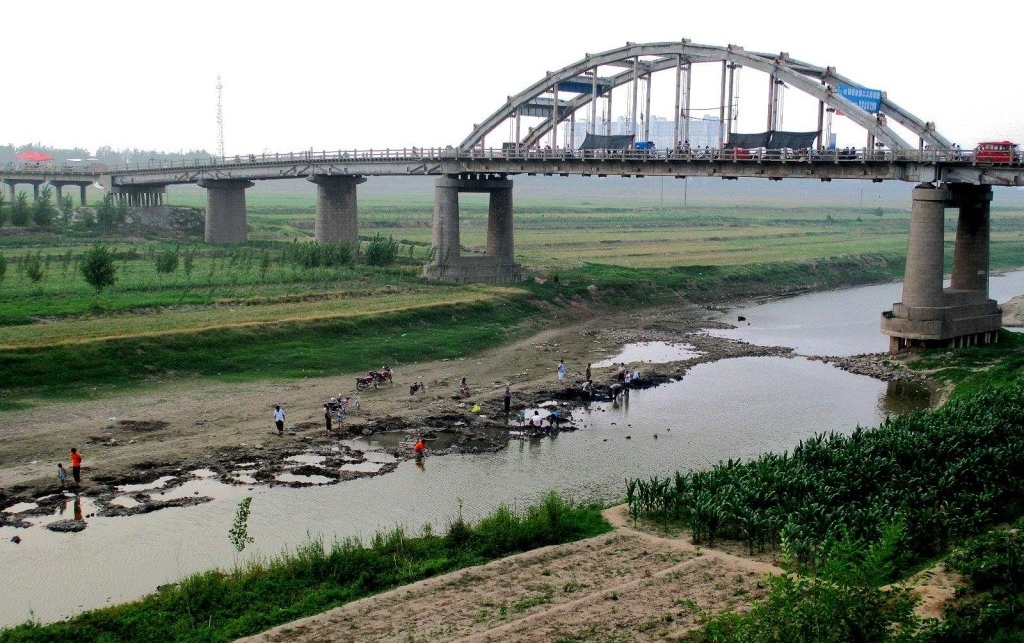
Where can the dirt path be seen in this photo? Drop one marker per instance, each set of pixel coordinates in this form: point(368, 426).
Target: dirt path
point(627, 585)
point(630, 585)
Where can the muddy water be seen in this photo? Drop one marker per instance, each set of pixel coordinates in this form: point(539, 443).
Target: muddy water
point(839, 322)
point(732, 408)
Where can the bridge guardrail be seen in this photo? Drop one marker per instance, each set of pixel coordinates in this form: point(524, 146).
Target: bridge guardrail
point(436, 154)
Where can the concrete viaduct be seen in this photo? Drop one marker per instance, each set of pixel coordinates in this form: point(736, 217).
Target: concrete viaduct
point(946, 177)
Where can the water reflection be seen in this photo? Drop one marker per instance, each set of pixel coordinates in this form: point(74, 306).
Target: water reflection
point(651, 352)
point(905, 396)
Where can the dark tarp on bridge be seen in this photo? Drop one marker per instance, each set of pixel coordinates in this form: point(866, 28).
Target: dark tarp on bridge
point(613, 142)
point(772, 140)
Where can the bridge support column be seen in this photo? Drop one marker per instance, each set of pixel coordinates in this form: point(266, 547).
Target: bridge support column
point(961, 315)
point(225, 210)
point(337, 208)
point(498, 264)
point(138, 196)
point(81, 193)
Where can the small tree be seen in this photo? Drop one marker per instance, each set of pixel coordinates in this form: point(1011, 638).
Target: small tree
point(107, 213)
point(21, 211)
point(98, 267)
point(239, 532)
point(32, 265)
point(3, 267)
point(43, 209)
point(3, 208)
point(381, 251)
point(67, 208)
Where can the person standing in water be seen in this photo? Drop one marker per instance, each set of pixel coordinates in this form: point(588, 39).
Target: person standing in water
point(508, 399)
point(76, 466)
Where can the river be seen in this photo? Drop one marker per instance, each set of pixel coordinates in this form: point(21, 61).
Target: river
point(736, 408)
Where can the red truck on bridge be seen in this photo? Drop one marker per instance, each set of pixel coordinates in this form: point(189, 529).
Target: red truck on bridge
point(997, 152)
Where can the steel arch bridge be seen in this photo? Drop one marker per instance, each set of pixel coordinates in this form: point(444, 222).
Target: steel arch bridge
point(929, 314)
point(640, 61)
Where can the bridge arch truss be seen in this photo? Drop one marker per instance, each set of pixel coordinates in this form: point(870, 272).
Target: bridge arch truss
point(639, 61)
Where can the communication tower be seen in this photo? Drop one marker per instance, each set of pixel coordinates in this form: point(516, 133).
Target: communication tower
point(220, 120)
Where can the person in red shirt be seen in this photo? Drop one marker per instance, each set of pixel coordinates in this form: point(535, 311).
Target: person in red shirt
point(76, 466)
point(419, 448)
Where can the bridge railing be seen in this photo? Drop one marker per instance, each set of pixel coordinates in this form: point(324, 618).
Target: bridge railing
point(508, 153)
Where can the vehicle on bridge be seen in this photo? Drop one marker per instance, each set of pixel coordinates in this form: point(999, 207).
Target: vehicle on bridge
point(736, 153)
point(997, 152)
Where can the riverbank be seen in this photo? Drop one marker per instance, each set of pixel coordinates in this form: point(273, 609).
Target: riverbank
point(215, 429)
point(150, 440)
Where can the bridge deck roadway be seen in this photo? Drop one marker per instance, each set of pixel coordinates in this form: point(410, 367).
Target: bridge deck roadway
point(916, 167)
point(913, 166)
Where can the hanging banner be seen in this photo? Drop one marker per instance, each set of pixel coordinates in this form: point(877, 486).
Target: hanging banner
point(870, 100)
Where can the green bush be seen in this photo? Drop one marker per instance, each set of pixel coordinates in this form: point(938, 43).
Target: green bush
point(380, 251)
point(991, 609)
point(311, 254)
point(167, 262)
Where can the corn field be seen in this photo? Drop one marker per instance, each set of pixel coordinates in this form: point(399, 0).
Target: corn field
point(943, 475)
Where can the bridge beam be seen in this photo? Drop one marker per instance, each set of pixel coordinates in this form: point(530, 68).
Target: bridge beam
point(498, 264)
point(225, 210)
point(963, 314)
point(337, 208)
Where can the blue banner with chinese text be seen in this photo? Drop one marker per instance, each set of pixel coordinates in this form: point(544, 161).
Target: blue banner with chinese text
point(870, 100)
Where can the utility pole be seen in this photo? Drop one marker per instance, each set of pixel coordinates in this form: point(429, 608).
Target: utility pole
point(220, 119)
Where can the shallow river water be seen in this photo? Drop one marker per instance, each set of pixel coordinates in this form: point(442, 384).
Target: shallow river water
point(736, 408)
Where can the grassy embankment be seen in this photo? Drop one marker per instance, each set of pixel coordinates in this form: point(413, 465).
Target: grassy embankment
point(853, 514)
point(243, 313)
point(224, 605)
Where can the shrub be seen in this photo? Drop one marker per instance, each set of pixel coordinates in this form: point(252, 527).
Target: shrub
point(32, 265)
point(167, 262)
point(311, 254)
point(3, 267)
point(381, 251)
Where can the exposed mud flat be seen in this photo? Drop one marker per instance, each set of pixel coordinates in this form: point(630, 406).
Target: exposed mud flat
point(225, 430)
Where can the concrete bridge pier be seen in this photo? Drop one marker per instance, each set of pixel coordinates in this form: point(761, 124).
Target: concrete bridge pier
point(13, 185)
point(337, 208)
point(498, 264)
point(963, 314)
point(58, 186)
point(141, 196)
point(225, 210)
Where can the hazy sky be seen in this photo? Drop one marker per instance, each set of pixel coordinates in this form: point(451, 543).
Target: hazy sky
point(348, 75)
